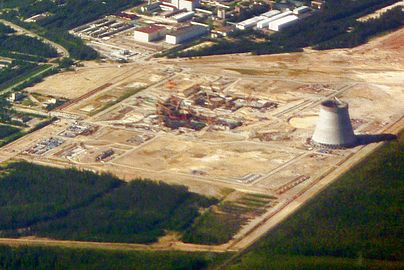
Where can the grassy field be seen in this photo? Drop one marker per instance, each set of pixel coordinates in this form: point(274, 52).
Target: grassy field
point(220, 223)
point(79, 205)
point(34, 258)
point(356, 223)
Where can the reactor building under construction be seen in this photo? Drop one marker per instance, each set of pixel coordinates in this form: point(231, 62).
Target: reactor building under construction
point(334, 129)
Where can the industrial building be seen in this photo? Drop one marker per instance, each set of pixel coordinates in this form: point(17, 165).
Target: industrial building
point(185, 34)
point(189, 5)
point(183, 16)
point(334, 127)
point(283, 23)
point(264, 23)
point(301, 10)
point(249, 23)
point(150, 33)
point(270, 13)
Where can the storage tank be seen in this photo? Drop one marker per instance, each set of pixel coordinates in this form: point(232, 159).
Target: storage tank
point(334, 127)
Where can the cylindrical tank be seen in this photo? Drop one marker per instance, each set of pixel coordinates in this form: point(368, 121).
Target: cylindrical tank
point(334, 127)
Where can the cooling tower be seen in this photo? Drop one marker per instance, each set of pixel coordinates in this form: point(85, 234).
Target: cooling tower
point(334, 127)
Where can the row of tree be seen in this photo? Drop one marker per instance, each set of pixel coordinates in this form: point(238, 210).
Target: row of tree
point(45, 258)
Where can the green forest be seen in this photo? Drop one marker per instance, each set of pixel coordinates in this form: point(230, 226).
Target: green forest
point(27, 45)
point(23, 45)
point(4, 29)
point(356, 223)
point(42, 258)
point(334, 27)
point(81, 205)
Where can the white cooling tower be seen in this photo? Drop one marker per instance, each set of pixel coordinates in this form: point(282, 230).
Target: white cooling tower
point(334, 127)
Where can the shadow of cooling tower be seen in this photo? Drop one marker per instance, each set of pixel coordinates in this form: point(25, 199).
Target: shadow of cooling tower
point(374, 138)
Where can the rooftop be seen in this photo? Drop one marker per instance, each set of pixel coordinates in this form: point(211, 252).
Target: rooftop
point(186, 29)
point(150, 29)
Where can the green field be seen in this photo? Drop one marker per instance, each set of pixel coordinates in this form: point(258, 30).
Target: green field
point(356, 223)
point(220, 223)
point(81, 205)
point(38, 258)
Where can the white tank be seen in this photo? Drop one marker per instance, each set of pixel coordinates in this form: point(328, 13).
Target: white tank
point(334, 127)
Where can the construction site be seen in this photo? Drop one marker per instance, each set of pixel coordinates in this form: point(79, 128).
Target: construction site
point(239, 123)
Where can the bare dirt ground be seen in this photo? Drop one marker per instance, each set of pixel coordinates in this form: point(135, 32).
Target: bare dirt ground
point(267, 154)
point(73, 84)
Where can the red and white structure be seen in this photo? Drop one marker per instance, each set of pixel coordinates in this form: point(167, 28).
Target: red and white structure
point(150, 33)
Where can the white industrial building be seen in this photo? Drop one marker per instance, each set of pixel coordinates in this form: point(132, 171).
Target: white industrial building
point(301, 10)
point(264, 23)
point(183, 16)
point(249, 23)
point(186, 33)
point(334, 127)
point(150, 33)
point(283, 23)
point(270, 13)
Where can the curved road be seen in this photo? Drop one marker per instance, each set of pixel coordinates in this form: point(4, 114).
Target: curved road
point(61, 50)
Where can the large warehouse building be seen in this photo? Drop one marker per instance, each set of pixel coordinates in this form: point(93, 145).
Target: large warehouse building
point(185, 34)
point(282, 23)
point(334, 127)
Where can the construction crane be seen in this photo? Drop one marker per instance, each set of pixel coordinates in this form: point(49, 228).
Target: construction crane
point(171, 84)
